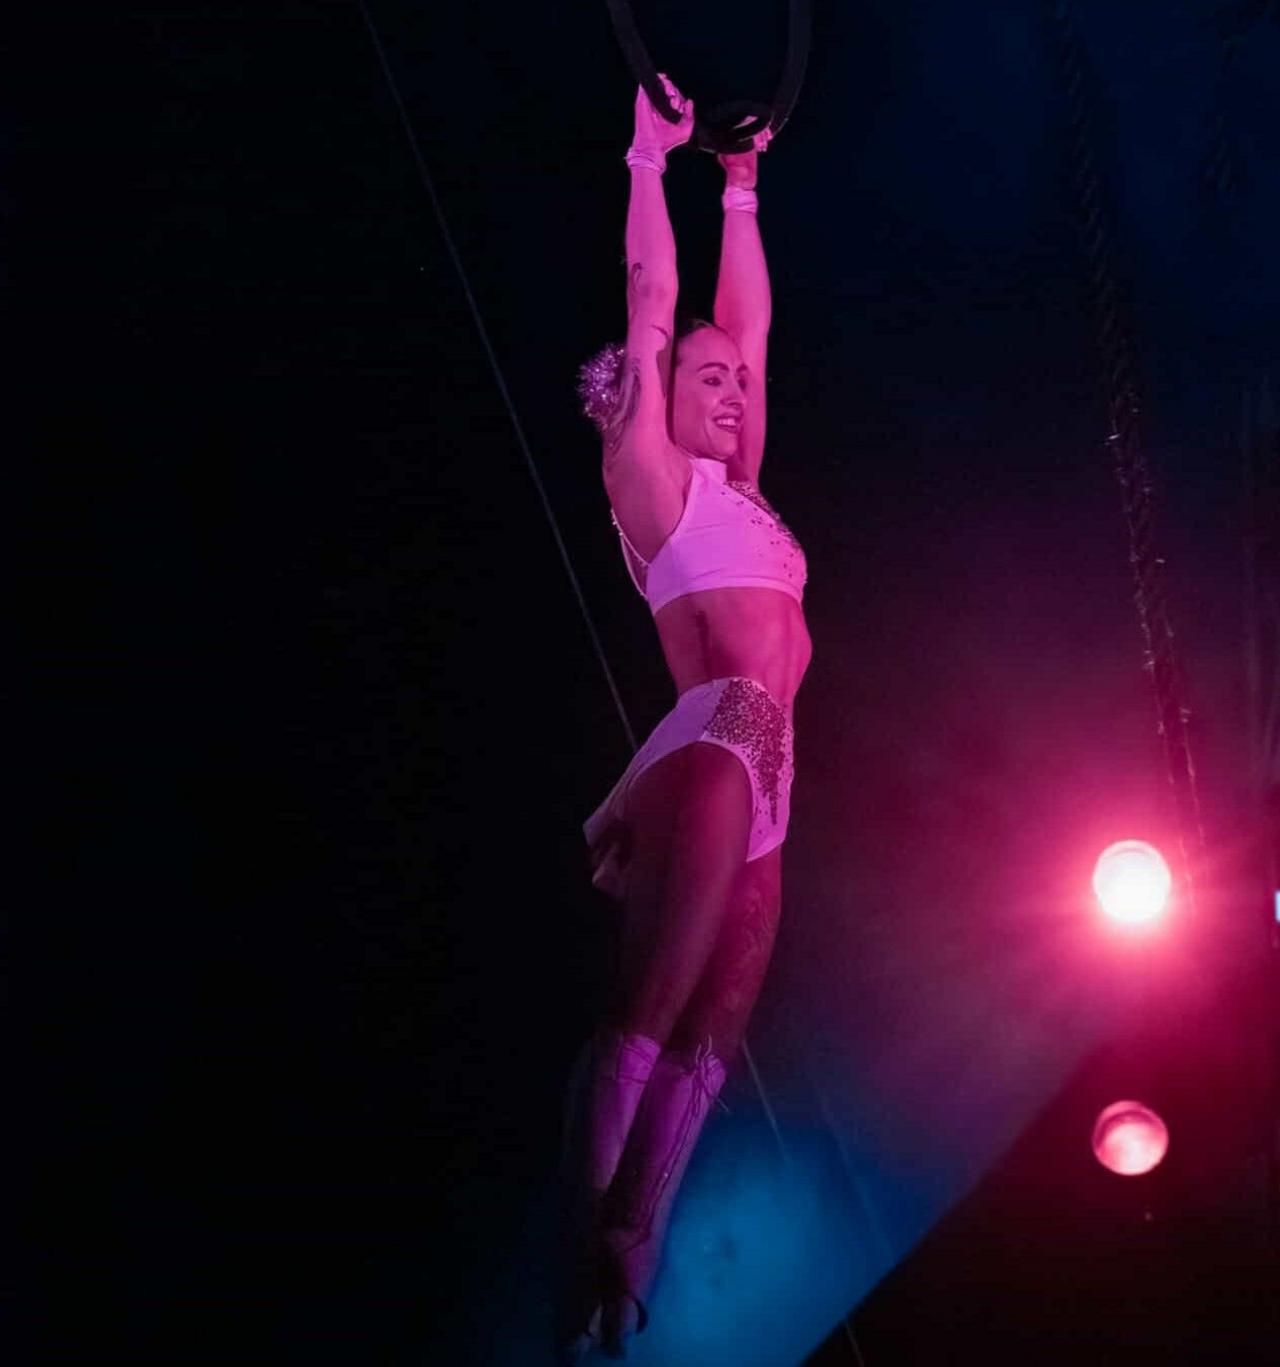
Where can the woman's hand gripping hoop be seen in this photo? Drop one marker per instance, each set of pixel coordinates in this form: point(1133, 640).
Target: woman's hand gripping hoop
point(724, 129)
point(654, 135)
point(741, 168)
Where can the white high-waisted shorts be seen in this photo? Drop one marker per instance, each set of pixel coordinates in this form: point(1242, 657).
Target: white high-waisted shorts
point(735, 713)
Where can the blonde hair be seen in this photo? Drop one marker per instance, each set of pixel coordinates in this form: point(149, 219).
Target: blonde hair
point(600, 378)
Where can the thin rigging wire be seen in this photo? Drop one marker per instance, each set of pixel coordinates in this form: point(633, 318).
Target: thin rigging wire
point(497, 370)
point(528, 454)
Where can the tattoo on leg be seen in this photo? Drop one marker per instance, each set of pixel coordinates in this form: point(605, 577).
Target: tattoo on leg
point(727, 995)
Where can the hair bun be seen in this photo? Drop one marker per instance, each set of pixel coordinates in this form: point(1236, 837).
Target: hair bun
point(599, 383)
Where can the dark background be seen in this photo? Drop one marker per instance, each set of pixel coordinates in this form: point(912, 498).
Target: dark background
point(328, 717)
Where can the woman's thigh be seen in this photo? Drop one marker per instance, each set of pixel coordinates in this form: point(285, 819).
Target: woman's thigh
point(690, 818)
point(721, 1004)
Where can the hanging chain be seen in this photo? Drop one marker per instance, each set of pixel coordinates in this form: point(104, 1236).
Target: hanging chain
point(1120, 367)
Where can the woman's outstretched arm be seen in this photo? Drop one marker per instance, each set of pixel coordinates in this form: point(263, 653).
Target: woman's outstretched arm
point(637, 432)
point(744, 305)
point(652, 286)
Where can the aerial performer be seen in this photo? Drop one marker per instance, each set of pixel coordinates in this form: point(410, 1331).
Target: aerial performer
point(689, 842)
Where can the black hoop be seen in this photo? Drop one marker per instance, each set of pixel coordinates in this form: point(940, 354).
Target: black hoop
point(716, 131)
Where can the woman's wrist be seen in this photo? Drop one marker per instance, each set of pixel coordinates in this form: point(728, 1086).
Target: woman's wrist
point(650, 158)
point(739, 198)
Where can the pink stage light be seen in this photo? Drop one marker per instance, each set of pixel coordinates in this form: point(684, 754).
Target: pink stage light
point(1132, 882)
point(1129, 1138)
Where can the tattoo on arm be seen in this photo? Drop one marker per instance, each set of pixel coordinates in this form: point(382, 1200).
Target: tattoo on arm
point(625, 409)
point(634, 277)
point(629, 391)
point(663, 358)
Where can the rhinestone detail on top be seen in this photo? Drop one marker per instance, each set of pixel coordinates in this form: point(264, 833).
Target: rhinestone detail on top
point(753, 495)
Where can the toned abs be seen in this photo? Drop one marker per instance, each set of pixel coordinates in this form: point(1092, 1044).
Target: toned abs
point(757, 633)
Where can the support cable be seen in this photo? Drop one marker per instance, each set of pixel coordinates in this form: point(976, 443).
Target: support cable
point(498, 377)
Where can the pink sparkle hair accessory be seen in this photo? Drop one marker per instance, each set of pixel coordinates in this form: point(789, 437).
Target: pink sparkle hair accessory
point(599, 382)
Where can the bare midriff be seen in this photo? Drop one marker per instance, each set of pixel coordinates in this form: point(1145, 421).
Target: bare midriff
point(754, 633)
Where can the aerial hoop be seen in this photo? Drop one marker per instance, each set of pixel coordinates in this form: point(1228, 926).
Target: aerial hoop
point(717, 131)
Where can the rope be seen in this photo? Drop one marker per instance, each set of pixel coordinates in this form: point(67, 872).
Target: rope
point(1259, 442)
point(523, 443)
point(1120, 369)
point(1219, 168)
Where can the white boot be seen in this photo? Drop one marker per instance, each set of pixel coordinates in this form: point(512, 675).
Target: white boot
point(605, 1090)
point(638, 1205)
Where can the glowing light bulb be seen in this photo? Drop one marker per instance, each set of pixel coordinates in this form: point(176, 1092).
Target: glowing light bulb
point(1129, 1138)
point(1132, 881)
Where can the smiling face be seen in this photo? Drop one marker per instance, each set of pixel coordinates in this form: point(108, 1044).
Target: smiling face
point(708, 394)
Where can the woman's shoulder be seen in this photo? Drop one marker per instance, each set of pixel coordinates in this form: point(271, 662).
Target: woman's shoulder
point(655, 472)
point(648, 500)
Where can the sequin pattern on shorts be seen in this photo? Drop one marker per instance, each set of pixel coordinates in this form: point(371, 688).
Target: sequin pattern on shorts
point(747, 716)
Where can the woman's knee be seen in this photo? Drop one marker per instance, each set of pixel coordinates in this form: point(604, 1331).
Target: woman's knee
point(714, 1021)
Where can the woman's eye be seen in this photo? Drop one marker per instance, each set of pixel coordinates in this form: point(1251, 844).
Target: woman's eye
point(712, 379)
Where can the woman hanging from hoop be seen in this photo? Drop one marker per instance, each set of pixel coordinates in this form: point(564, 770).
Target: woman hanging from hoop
point(689, 840)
